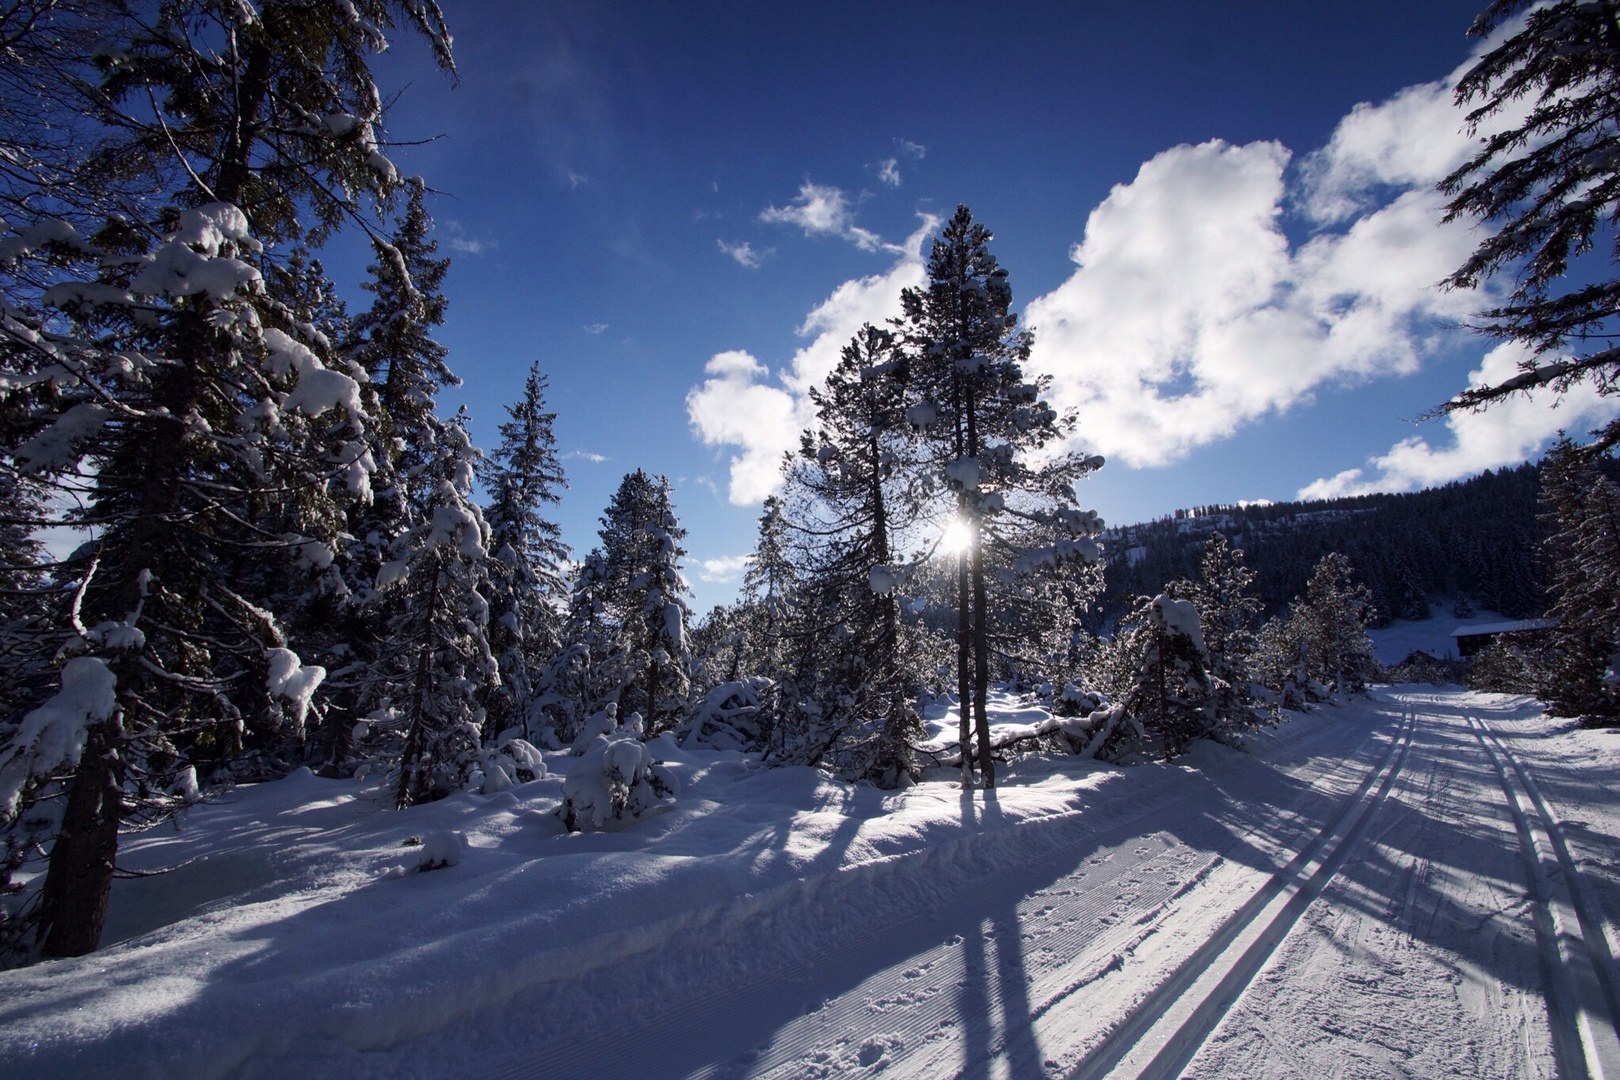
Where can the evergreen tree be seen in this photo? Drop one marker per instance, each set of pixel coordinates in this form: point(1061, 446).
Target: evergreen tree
point(645, 597)
point(843, 484)
point(206, 413)
point(1547, 184)
point(524, 478)
point(1332, 626)
point(393, 341)
point(1581, 510)
point(436, 667)
point(587, 673)
point(1229, 613)
point(768, 590)
point(405, 367)
point(1165, 686)
point(978, 416)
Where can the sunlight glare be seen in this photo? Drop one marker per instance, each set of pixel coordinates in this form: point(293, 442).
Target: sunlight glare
point(957, 538)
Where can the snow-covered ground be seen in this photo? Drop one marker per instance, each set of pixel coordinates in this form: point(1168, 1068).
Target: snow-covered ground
point(1421, 883)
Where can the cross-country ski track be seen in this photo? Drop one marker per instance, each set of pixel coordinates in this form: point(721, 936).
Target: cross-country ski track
point(1421, 882)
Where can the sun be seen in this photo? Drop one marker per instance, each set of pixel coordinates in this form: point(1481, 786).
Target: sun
point(957, 539)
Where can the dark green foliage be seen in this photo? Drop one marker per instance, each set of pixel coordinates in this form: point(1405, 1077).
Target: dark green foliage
point(524, 478)
point(1474, 538)
point(1546, 189)
point(1581, 509)
point(851, 656)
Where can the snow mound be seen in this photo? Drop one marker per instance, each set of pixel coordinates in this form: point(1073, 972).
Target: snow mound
point(440, 849)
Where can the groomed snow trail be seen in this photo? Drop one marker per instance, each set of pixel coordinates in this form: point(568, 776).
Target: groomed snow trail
point(1159, 1036)
point(1449, 944)
point(1575, 951)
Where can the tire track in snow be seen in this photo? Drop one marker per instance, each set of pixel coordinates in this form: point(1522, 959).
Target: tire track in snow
point(1165, 1030)
point(1582, 1001)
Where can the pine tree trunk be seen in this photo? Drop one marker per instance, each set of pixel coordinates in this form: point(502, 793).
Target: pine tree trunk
point(74, 898)
point(236, 155)
point(964, 689)
point(409, 788)
point(981, 662)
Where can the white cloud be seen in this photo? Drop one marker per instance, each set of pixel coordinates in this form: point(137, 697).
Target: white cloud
point(1506, 434)
point(585, 455)
point(824, 210)
point(1412, 140)
point(744, 253)
point(595, 327)
point(456, 239)
point(725, 568)
point(914, 151)
point(889, 172)
point(1191, 315)
point(739, 405)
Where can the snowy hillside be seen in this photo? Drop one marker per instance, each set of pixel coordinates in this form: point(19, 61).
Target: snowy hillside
point(1349, 893)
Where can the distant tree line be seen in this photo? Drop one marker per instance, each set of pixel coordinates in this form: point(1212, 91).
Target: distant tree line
point(1474, 541)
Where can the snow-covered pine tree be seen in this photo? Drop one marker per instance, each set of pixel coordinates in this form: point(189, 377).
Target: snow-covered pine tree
point(978, 416)
point(720, 644)
point(392, 343)
point(844, 491)
point(588, 671)
point(1547, 186)
point(190, 396)
point(1580, 508)
point(1166, 688)
point(645, 597)
point(768, 590)
point(435, 667)
point(524, 479)
point(1332, 626)
point(1228, 614)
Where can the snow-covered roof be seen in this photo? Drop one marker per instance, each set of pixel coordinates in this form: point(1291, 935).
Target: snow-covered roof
point(1502, 627)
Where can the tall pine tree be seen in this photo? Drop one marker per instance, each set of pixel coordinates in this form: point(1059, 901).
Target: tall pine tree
point(979, 415)
point(524, 478)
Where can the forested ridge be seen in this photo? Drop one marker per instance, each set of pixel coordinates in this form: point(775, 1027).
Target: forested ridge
point(1475, 539)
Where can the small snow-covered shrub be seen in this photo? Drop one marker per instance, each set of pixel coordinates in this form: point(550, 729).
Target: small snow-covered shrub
point(1073, 701)
point(441, 849)
point(614, 783)
point(730, 717)
point(515, 761)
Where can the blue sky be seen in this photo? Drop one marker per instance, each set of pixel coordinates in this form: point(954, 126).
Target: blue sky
point(1220, 220)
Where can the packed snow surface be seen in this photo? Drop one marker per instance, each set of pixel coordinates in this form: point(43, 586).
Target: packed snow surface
point(1418, 883)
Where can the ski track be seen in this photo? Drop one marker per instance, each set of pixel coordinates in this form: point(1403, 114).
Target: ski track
point(1433, 906)
point(1573, 938)
point(1161, 1034)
